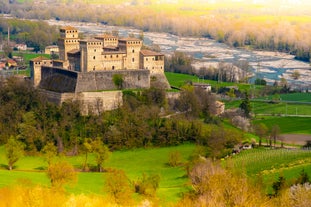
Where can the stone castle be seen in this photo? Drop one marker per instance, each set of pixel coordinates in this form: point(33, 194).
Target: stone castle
point(90, 65)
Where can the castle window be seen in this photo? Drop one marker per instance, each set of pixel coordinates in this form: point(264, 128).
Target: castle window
point(105, 56)
point(146, 59)
point(94, 50)
point(117, 56)
point(94, 57)
point(94, 68)
point(111, 56)
point(133, 50)
point(133, 59)
point(113, 67)
point(73, 35)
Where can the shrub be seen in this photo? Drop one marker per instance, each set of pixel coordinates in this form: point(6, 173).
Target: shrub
point(147, 185)
point(174, 159)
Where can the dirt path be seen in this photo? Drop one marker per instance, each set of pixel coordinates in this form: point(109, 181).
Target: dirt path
point(299, 139)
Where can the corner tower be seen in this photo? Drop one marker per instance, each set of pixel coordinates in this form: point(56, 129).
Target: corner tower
point(69, 40)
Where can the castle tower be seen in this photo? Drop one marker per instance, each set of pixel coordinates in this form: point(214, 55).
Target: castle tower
point(152, 61)
point(132, 47)
point(91, 51)
point(69, 40)
point(35, 68)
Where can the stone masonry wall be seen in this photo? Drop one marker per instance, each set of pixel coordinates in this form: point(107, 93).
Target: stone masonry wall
point(90, 102)
point(58, 80)
point(102, 80)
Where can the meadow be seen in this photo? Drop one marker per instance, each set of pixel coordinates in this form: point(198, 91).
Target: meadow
point(173, 180)
point(288, 125)
point(275, 108)
point(178, 80)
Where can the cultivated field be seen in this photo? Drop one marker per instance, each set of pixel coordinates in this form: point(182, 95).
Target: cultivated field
point(268, 164)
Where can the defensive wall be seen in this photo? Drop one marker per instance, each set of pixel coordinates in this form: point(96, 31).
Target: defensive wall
point(66, 81)
point(90, 102)
point(103, 80)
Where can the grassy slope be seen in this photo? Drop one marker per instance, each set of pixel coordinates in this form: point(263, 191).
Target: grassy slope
point(133, 162)
point(270, 164)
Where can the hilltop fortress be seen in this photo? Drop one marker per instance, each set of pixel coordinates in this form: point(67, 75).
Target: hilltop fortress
point(88, 66)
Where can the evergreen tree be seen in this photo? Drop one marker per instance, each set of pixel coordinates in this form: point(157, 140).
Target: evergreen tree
point(245, 105)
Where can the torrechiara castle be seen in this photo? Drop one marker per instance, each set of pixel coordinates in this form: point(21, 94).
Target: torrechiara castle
point(87, 68)
point(100, 58)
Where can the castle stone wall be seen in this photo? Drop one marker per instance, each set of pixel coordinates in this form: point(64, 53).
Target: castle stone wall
point(90, 102)
point(103, 80)
point(58, 80)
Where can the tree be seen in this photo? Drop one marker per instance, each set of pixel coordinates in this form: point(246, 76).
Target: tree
point(101, 153)
point(14, 151)
point(245, 105)
point(118, 187)
point(147, 185)
point(275, 132)
point(61, 173)
point(118, 80)
point(295, 75)
point(261, 131)
point(87, 148)
point(174, 158)
point(259, 81)
point(49, 151)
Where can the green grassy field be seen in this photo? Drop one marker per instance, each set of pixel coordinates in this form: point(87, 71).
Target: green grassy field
point(303, 97)
point(269, 164)
point(133, 162)
point(288, 125)
point(178, 80)
point(269, 108)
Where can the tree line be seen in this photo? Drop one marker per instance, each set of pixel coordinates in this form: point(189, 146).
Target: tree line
point(265, 30)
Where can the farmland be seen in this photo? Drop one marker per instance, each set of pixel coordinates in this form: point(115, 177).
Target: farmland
point(268, 164)
point(173, 180)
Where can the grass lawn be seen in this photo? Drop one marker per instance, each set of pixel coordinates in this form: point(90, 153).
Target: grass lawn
point(133, 162)
point(178, 80)
point(280, 108)
point(288, 125)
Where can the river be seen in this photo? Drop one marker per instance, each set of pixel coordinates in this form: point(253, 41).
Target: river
point(270, 66)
